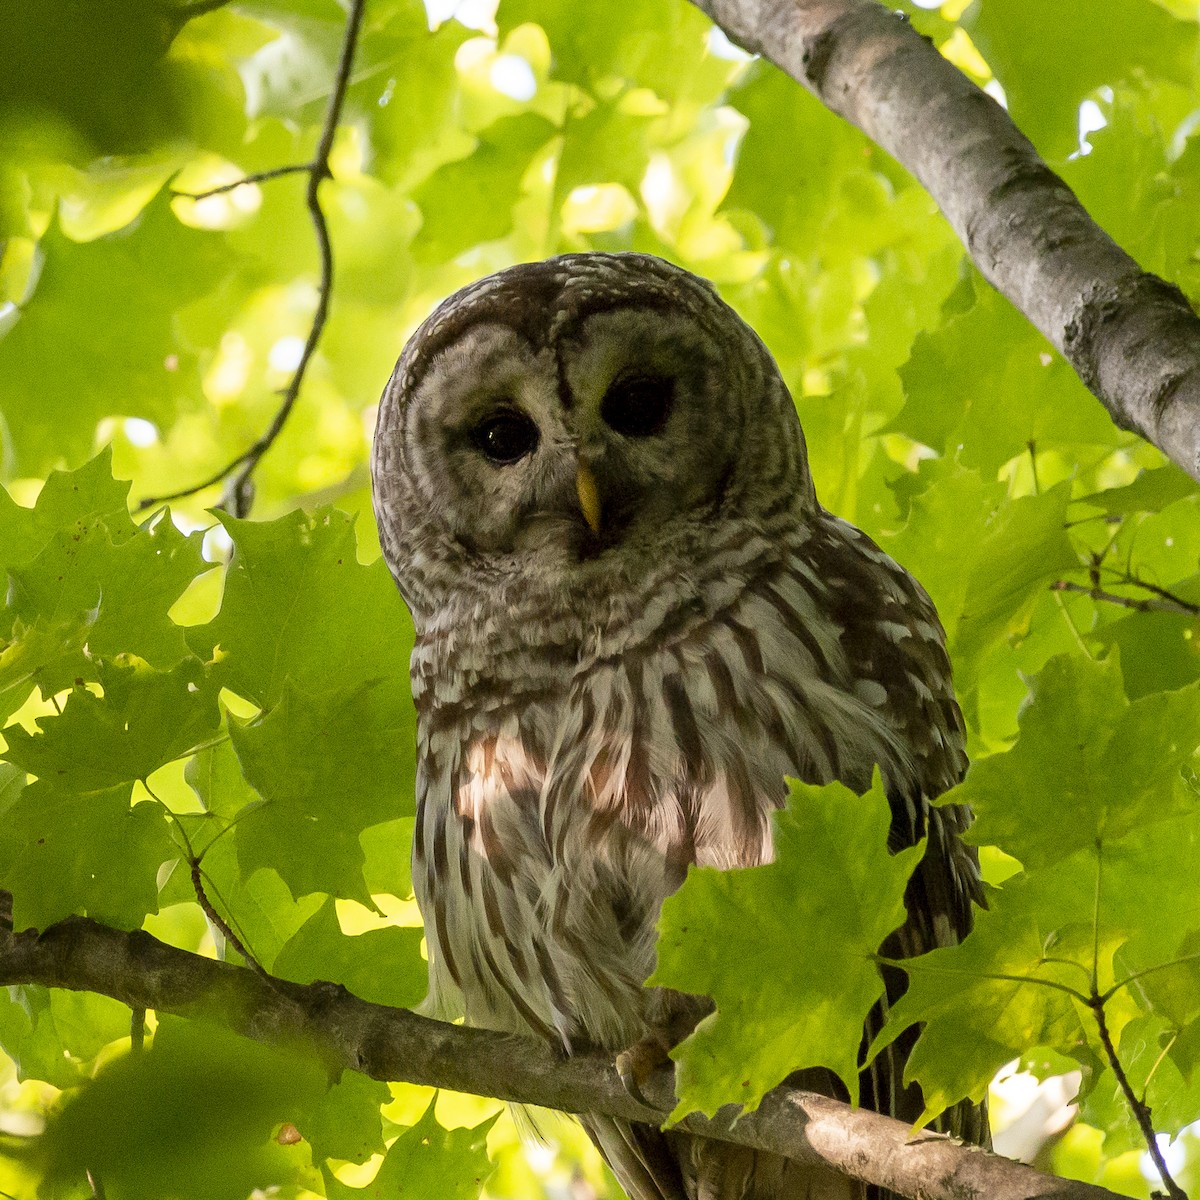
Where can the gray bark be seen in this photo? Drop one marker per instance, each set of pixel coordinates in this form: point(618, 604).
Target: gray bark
point(399, 1046)
point(1131, 337)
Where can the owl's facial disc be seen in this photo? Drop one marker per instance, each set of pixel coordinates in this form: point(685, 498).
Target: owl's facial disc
point(561, 453)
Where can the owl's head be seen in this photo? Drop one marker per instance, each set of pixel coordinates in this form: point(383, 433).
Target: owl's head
point(566, 420)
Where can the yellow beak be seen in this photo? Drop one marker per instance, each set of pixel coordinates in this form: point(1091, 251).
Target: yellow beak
point(589, 496)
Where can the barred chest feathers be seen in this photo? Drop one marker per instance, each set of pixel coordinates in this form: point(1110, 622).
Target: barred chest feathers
point(566, 784)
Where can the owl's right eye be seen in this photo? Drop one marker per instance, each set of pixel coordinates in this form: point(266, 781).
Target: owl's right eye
point(505, 437)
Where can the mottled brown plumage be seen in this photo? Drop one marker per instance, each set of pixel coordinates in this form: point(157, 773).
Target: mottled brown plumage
point(633, 620)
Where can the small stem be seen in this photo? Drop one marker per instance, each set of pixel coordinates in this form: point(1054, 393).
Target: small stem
point(1067, 962)
point(909, 964)
point(1175, 962)
point(1186, 605)
point(137, 1029)
point(1066, 616)
point(255, 177)
point(1140, 1109)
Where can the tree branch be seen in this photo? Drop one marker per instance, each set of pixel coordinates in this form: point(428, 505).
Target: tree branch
point(239, 494)
point(1132, 338)
point(399, 1046)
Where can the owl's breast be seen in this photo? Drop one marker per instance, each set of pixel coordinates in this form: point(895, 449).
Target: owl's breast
point(564, 795)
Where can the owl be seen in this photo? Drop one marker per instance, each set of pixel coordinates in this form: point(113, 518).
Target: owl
point(633, 621)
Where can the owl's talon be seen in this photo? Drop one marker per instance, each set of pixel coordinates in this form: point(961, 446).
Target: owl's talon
point(636, 1065)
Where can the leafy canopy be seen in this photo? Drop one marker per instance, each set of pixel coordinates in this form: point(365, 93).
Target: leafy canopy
point(188, 694)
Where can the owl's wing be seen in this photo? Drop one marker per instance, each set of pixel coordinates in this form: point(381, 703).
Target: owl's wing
point(892, 637)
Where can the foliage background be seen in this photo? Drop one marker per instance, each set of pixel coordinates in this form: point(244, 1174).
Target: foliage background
point(166, 674)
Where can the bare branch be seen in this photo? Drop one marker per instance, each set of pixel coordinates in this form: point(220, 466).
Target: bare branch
point(1131, 337)
point(237, 473)
point(399, 1046)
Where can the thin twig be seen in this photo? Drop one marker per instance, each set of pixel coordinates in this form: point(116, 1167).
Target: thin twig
point(197, 875)
point(238, 494)
point(1141, 1110)
point(1158, 603)
point(1096, 918)
point(1185, 605)
point(254, 177)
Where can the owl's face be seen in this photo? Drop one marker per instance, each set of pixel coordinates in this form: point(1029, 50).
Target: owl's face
point(567, 418)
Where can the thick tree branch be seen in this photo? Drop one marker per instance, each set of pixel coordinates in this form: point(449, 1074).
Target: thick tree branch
point(395, 1045)
point(1132, 338)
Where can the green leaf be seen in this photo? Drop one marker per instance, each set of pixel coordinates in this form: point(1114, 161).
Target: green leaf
point(1088, 766)
point(604, 145)
point(810, 922)
point(381, 965)
point(345, 1124)
point(78, 564)
point(99, 71)
point(145, 719)
point(1159, 650)
point(986, 1000)
point(31, 650)
point(954, 375)
point(191, 1116)
point(1019, 37)
point(471, 200)
point(413, 100)
point(662, 47)
point(1151, 491)
point(100, 335)
point(1141, 1050)
point(984, 559)
point(215, 775)
point(329, 765)
point(62, 853)
point(55, 1035)
point(783, 115)
point(70, 501)
point(426, 1160)
point(299, 607)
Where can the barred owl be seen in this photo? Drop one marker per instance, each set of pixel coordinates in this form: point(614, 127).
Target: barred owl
point(633, 620)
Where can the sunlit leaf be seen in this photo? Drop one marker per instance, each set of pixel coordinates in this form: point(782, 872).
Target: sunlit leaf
point(814, 978)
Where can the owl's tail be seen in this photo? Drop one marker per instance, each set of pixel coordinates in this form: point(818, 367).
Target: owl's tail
point(653, 1165)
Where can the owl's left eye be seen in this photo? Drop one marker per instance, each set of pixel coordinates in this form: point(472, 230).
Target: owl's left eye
point(505, 436)
point(637, 406)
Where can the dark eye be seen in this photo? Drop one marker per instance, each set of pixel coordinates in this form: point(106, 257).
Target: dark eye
point(638, 405)
point(505, 436)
